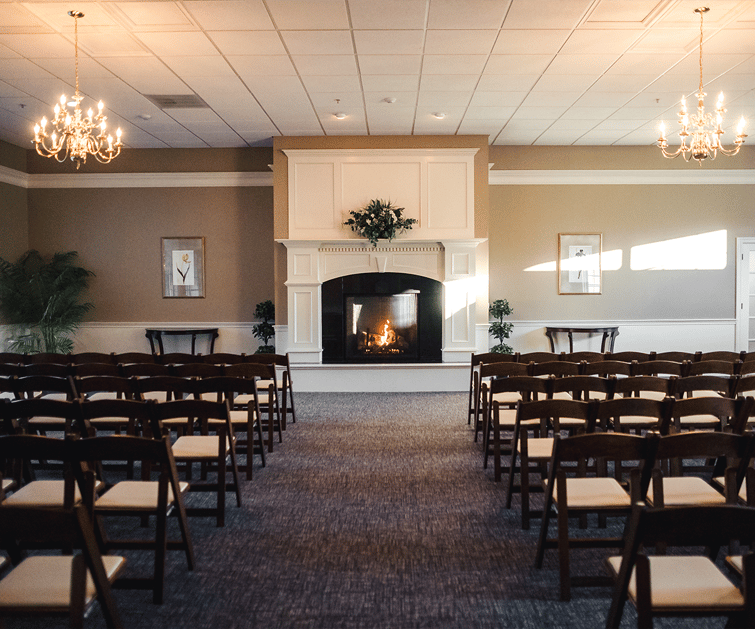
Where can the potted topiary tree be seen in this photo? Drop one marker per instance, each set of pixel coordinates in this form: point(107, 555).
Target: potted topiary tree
point(499, 309)
point(40, 300)
point(264, 330)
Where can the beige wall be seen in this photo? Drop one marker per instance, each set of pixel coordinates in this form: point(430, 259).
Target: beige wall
point(14, 226)
point(117, 234)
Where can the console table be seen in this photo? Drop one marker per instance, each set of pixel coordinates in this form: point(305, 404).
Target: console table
point(157, 335)
point(608, 333)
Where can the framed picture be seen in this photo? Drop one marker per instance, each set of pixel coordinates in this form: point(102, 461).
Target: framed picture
point(183, 267)
point(580, 264)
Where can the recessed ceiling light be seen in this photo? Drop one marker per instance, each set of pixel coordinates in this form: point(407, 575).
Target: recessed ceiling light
point(143, 116)
point(440, 115)
point(390, 99)
point(340, 115)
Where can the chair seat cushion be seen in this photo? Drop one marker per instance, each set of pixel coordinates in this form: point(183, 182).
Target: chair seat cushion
point(540, 448)
point(42, 493)
point(134, 495)
point(687, 490)
point(507, 397)
point(637, 421)
point(507, 417)
point(44, 583)
point(47, 421)
point(264, 384)
point(197, 447)
point(719, 481)
point(586, 493)
point(685, 582)
point(700, 420)
point(246, 398)
point(102, 395)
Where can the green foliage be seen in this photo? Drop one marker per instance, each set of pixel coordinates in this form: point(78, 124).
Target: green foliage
point(499, 309)
point(41, 299)
point(379, 219)
point(264, 331)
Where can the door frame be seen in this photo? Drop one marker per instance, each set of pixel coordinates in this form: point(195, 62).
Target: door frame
point(742, 293)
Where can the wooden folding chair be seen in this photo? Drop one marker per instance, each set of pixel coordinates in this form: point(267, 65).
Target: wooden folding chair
point(66, 585)
point(506, 397)
point(475, 381)
point(265, 396)
point(683, 585)
point(581, 495)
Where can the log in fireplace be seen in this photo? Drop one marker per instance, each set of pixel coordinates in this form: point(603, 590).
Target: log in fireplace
point(382, 317)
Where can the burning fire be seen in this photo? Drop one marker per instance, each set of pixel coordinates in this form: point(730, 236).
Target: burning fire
point(388, 337)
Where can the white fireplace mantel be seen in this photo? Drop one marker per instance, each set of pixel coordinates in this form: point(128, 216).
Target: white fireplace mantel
point(451, 262)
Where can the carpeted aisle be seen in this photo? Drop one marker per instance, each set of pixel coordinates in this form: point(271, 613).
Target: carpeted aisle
point(375, 512)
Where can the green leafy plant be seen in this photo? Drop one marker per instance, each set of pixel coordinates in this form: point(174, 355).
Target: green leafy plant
point(40, 300)
point(264, 331)
point(379, 219)
point(499, 309)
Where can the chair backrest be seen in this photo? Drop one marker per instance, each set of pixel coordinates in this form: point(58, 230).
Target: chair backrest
point(180, 358)
point(105, 384)
point(581, 387)
point(503, 370)
point(200, 411)
point(747, 368)
point(8, 370)
point(713, 367)
point(555, 368)
point(262, 370)
point(744, 385)
point(636, 385)
point(607, 368)
point(47, 369)
point(134, 412)
point(657, 367)
point(555, 410)
point(12, 358)
point(713, 385)
point(723, 355)
point(220, 358)
point(61, 359)
point(93, 357)
point(128, 358)
point(30, 386)
point(493, 357)
point(84, 370)
point(615, 409)
point(174, 387)
point(628, 357)
point(196, 370)
point(143, 370)
point(268, 359)
point(731, 412)
point(539, 357)
point(677, 357)
point(578, 357)
point(530, 387)
point(16, 412)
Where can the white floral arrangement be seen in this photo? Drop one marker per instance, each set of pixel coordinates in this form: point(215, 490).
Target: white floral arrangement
point(379, 220)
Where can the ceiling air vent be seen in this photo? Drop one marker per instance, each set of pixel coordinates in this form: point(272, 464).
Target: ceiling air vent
point(177, 101)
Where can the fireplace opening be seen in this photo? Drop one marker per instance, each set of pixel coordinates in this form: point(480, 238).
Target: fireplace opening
point(381, 326)
point(382, 318)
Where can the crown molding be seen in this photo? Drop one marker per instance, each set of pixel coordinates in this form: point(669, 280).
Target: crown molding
point(619, 177)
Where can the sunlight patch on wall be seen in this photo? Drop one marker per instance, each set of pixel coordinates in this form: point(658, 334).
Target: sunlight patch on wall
point(689, 253)
point(612, 261)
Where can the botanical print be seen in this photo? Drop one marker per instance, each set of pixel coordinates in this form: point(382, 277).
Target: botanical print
point(183, 267)
point(578, 268)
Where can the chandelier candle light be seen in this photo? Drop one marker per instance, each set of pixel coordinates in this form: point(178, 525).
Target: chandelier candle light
point(705, 134)
point(74, 135)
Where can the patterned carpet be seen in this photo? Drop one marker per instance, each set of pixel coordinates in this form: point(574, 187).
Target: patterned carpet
point(375, 513)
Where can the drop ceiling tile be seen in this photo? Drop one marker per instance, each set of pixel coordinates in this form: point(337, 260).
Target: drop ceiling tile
point(331, 83)
point(594, 41)
point(517, 136)
point(682, 15)
point(453, 64)
point(473, 42)
point(177, 44)
point(318, 42)
point(22, 69)
point(155, 78)
point(600, 137)
point(497, 99)
point(304, 14)
point(348, 100)
point(395, 115)
point(603, 99)
point(470, 14)
point(539, 113)
point(395, 42)
point(388, 14)
point(643, 63)
point(617, 124)
point(192, 116)
point(403, 99)
point(452, 114)
point(390, 83)
point(490, 113)
point(66, 69)
point(320, 65)
point(641, 113)
point(262, 65)
point(748, 67)
point(623, 83)
point(151, 15)
point(110, 45)
point(449, 82)
point(8, 91)
point(563, 124)
point(607, 14)
point(7, 53)
point(480, 127)
point(39, 46)
point(517, 64)
point(55, 14)
point(588, 113)
point(389, 64)
point(713, 65)
point(546, 13)
point(530, 42)
point(562, 137)
point(249, 15)
point(547, 99)
point(444, 99)
point(581, 64)
point(388, 128)
point(279, 87)
point(503, 82)
point(680, 83)
point(246, 43)
point(561, 82)
point(673, 41)
point(199, 66)
point(14, 16)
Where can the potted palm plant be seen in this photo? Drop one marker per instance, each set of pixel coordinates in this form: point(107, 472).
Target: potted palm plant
point(41, 301)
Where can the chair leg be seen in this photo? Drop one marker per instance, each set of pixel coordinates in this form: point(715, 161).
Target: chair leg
point(563, 539)
point(512, 466)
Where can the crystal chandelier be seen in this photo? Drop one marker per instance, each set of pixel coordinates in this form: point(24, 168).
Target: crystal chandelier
point(74, 135)
point(703, 130)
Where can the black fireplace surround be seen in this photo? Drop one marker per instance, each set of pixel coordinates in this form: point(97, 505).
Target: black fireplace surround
point(382, 318)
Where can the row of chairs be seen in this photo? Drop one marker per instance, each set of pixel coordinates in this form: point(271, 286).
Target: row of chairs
point(628, 356)
point(145, 364)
